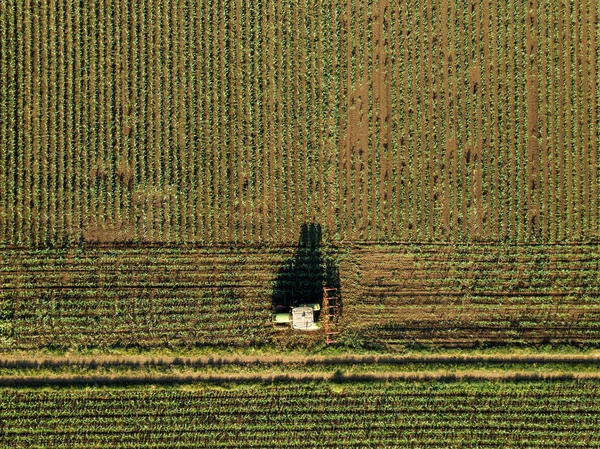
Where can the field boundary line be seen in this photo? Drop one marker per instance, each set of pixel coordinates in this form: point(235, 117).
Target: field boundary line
point(178, 379)
point(15, 361)
point(339, 244)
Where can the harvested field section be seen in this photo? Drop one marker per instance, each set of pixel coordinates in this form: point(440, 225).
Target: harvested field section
point(142, 298)
point(395, 296)
point(353, 414)
point(468, 296)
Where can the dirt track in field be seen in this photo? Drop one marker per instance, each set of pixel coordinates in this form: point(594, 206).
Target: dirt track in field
point(14, 361)
point(127, 370)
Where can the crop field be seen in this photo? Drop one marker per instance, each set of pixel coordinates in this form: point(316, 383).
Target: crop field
point(381, 120)
point(467, 127)
point(477, 295)
point(398, 414)
point(393, 296)
point(172, 171)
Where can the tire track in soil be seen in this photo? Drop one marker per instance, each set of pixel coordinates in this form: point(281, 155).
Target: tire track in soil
point(532, 119)
point(585, 112)
point(591, 131)
point(453, 143)
point(404, 145)
point(562, 133)
point(421, 172)
point(544, 186)
point(445, 167)
point(432, 160)
point(381, 89)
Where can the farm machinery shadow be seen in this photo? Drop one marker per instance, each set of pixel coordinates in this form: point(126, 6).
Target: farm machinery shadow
point(302, 277)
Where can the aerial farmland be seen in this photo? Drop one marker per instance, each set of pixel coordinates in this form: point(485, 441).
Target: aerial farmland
point(255, 224)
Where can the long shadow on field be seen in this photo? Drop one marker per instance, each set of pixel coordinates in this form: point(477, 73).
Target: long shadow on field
point(301, 279)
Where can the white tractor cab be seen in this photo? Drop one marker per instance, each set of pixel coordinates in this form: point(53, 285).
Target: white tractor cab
point(301, 317)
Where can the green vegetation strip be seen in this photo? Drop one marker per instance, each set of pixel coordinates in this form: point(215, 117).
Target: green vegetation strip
point(395, 413)
point(137, 361)
point(235, 378)
point(188, 369)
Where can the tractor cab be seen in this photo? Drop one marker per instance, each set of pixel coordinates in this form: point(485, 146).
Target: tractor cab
point(300, 317)
point(303, 318)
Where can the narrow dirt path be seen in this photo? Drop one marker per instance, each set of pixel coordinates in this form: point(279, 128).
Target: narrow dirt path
point(16, 361)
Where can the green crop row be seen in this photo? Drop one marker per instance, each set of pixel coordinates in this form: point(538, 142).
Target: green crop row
point(395, 414)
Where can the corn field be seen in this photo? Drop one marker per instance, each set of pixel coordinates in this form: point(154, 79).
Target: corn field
point(173, 171)
point(388, 121)
point(399, 414)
